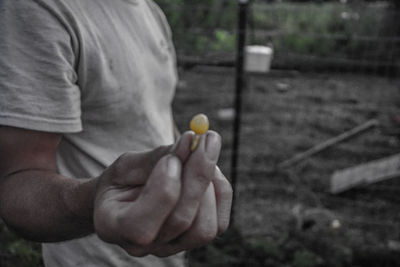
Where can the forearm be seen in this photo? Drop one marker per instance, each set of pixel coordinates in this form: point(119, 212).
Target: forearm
point(47, 207)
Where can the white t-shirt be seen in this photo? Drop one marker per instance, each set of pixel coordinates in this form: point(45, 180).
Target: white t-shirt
point(103, 73)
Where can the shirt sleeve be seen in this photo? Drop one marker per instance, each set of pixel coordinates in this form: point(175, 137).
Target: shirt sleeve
point(38, 81)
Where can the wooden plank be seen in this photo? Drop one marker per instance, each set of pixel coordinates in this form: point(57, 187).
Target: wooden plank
point(328, 143)
point(364, 174)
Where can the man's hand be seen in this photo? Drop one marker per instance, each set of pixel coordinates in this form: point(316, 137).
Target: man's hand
point(160, 202)
point(164, 201)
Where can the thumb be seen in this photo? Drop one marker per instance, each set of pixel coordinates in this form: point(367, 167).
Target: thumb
point(181, 148)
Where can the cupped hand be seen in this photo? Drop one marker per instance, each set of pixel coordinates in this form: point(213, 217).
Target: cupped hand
point(166, 200)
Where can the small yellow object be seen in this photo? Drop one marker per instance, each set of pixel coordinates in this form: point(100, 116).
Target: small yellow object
point(199, 125)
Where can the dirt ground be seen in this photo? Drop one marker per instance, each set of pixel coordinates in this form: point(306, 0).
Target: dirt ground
point(286, 113)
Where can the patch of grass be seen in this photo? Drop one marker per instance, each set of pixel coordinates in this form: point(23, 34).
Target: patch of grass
point(304, 259)
point(329, 34)
point(16, 252)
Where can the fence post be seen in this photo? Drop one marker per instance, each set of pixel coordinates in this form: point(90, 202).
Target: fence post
point(239, 84)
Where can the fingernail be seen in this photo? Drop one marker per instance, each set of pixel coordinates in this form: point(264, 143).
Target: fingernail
point(213, 146)
point(173, 167)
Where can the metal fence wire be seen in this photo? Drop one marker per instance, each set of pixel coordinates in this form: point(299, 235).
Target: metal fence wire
point(285, 113)
point(305, 36)
point(334, 70)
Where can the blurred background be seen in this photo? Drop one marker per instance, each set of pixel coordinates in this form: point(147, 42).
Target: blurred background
point(318, 173)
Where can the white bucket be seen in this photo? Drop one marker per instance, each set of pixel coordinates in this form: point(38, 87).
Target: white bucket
point(258, 58)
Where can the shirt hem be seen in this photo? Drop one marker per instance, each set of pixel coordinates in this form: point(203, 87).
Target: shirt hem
point(41, 124)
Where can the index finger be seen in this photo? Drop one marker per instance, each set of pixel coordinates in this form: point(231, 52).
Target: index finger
point(223, 195)
point(143, 218)
point(198, 172)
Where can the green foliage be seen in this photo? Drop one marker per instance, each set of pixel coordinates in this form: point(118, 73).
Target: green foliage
point(224, 40)
point(262, 247)
point(18, 252)
point(330, 30)
point(201, 25)
point(320, 30)
point(233, 250)
point(27, 253)
point(304, 259)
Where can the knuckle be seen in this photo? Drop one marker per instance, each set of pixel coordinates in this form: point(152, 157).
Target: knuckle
point(207, 235)
point(103, 235)
point(120, 164)
point(137, 252)
point(180, 222)
point(163, 253)
point(158, 152)
point(203, 181)
point(208, 170)
point(103, 228)
point(223, 226)
point(226, 190)
point(169, 194)
point(216, 135)
point(144, 239)
point(140, 237)
point(120, 220)
point(162, 149)
point(222, 185)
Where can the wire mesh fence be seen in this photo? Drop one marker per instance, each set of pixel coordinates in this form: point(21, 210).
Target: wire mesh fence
point(305, 36)
point(334, 68)
point(278, 124)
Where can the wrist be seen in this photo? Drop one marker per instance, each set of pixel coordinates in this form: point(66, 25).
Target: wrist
point(79, 200)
